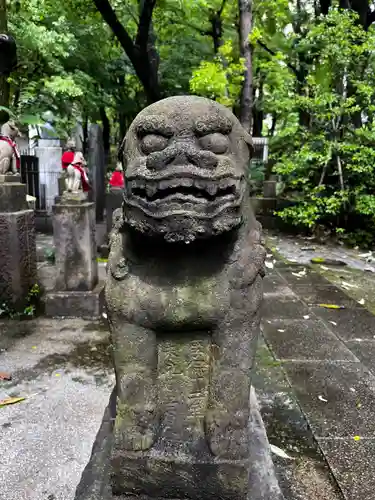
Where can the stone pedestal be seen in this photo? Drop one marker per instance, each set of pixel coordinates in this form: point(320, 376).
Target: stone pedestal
point(76, 292)
point(18, 269)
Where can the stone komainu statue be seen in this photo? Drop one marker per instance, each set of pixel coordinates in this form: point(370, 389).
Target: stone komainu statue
point(9, 155)
point(183, 293)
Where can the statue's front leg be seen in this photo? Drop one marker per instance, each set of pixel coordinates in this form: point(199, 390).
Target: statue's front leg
point(135, 358)
point(14, 165)
point(4, 165)
point(234, 346)
point(76, 181)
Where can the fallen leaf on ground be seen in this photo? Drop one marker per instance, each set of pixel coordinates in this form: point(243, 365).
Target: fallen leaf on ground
point(322, 399)
point(300, 274)
point(279, 452)
point(331, 306)
point(10, 401)
point(349, 284)
point(5, 376)
point(365, 255)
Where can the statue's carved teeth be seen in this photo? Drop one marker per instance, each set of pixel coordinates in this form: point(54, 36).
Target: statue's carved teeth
point(138, 183)
point(212, 188)
point(200, 184)
point(186, 182)
point(151, 188)
point(163, 185)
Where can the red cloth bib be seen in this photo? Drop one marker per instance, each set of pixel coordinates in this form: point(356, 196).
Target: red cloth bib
point(117, 179)
point(67, 159)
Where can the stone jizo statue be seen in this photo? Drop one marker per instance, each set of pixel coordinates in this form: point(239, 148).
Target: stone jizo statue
point(9, 154)
point(76, 179)
point(183, 293)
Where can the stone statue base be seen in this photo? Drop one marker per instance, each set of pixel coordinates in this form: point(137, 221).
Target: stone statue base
point(77, 292)
point(96, 481)
point(18, 270)
point(86, 305)
point(10, 178)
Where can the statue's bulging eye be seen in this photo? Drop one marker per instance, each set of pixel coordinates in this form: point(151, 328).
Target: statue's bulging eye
point(152, 143)
point(217, 143)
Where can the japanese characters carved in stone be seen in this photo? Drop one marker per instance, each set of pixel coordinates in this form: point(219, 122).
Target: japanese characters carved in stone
point(183, 292)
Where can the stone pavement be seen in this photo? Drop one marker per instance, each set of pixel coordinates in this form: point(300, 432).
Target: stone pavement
point(63, 368)
point(327, 356)
point(315, 381)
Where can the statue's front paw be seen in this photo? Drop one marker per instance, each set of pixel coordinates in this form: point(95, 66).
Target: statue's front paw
point(227, 434)
point(136, 427)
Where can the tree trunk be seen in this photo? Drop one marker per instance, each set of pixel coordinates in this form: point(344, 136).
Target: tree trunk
point(4, 85)
point(140, 52)
point(245, 26)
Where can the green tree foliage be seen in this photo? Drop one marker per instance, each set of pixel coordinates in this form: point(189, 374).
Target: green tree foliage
point(313, 81)
point(323, 145)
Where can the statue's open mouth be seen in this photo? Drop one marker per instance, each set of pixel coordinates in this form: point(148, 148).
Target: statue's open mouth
point(193, 190)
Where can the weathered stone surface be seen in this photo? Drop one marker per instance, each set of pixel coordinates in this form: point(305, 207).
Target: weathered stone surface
point(85, 305)
point(283, 307)
point(352, 463)
point(113, 201)
point(269, 189)
point(324, 294)
point(9, 177)
point(350, 324)
point(96, 162)
point(305, 339)
point(49, 153)
point(12, 197)
point(18, 269)
point(75, 244)
point(336, 397)
point(184, 318)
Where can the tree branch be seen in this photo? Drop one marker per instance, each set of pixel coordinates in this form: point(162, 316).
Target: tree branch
point(145, 24)
point(273, 53)
point(192, 26)
point(110, 17)
point(220, 11)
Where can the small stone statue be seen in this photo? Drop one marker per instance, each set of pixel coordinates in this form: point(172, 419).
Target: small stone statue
point(183, 293)
point(76, 179)
point(9, 155)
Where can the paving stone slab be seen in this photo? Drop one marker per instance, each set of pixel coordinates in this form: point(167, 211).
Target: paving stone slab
point(353, 465)
point(308, 477)
point(365, 352)
point(324, 294)
point(305, 340)
point(276, 285)
point(338, 398)
point(310, 278)
point(283, 307)
point(348, 324)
